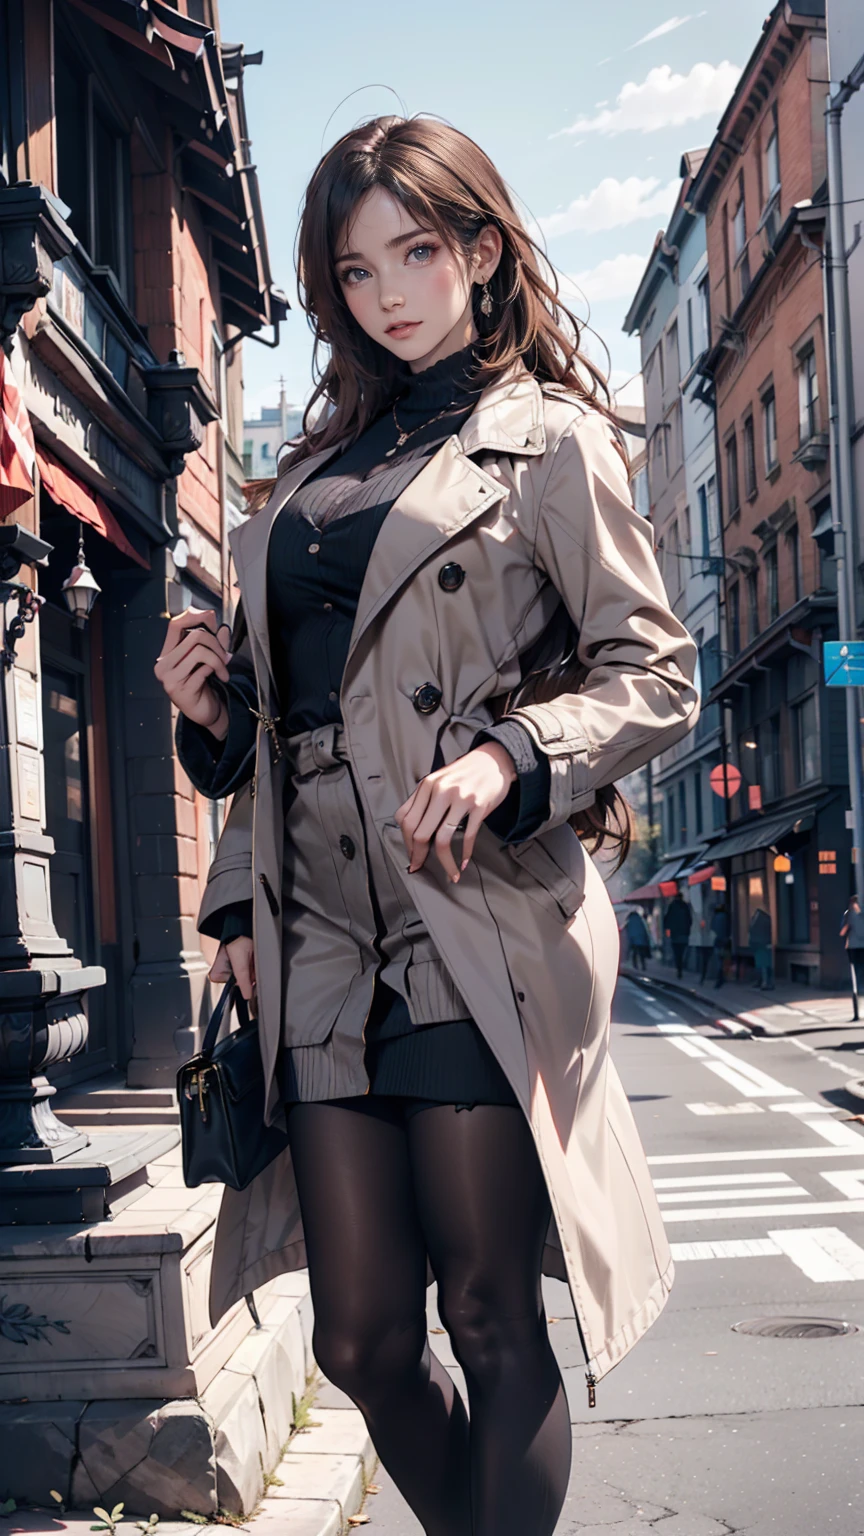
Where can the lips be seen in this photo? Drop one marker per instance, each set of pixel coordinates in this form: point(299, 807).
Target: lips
point(402, 328)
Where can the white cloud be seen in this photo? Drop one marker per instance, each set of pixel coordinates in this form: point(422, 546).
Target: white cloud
point(663, 100)
point(612, 203)
point(615, 278)
point(671, 25)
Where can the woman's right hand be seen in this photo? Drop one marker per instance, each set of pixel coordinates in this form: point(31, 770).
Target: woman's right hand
point(236, 959)
point(191, 655)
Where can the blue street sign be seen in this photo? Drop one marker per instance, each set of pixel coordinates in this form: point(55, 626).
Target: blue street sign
point(844, 663)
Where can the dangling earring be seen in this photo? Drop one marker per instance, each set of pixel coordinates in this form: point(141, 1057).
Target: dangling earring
point(486, 301)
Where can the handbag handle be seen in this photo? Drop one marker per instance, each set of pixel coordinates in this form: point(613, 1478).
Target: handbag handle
point(230, 994)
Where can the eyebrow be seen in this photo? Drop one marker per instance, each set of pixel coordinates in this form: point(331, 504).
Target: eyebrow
point(391, 244)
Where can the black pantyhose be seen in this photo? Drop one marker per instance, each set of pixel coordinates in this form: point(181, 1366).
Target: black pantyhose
point(376, 1192)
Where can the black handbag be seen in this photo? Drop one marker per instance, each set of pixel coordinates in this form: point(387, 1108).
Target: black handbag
point(221, 1097)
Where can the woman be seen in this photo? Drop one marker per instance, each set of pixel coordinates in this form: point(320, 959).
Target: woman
point(453, 639)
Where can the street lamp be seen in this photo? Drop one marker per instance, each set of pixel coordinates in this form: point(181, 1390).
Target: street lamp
point(80, 589)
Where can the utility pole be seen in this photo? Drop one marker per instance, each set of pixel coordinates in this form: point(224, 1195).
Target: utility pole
point(836, 275)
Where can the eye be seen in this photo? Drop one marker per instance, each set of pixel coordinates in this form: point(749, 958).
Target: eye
point(424, 252)
point(350, 276)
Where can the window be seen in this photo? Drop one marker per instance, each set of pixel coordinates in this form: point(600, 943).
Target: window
point(712, 505)
point(247, 456)
point(673, 369)
point(673, 582)
point(732, 495)
point(794, 547)
point(93, 173)
point(688, 532)
point(265, 450)
point(217, 369)
point(739, 236)
point(749, 458)
point(772, 762)
point(691, 350)
point(806, 738)
point(697, 802)
point(808, 397)
point(771, 584)
point(752, 605)
point(704, 313)
point(704, 529)
point(671, 836)
point(769, 419)
point(662, 367)
point(682, 808)
point(734, 618)
point(772, 159)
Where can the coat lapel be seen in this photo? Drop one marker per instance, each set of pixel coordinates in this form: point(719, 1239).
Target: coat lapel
point(451, 490)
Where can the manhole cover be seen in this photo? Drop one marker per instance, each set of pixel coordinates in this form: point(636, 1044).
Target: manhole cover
point(795, 1327)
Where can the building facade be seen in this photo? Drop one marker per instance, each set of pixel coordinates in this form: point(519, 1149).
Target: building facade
point(265, 435)
point(133, 260)
point(761, 190)
point(670, 315)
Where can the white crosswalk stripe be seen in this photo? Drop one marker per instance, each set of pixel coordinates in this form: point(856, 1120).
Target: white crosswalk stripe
point(690, 1196)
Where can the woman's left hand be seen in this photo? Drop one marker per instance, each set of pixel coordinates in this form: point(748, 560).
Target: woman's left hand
point(466, 791)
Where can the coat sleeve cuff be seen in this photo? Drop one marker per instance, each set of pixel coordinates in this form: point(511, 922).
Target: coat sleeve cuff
point(218, 768)
point(229, 922)
point(526, 807)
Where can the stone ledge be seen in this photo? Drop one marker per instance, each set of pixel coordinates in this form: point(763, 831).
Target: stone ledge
point(197, 1454)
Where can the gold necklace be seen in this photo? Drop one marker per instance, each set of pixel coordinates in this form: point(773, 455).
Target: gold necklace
point(404, 436)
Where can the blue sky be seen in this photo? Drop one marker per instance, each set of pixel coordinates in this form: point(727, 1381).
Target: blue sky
point(585, 109)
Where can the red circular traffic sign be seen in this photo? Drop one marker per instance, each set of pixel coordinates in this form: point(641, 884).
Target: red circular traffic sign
point(725, 780)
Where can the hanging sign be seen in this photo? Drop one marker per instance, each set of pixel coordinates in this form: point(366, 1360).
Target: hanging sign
point(725, 780)
point(718, 882)
point(782, 864)
point(843, 661)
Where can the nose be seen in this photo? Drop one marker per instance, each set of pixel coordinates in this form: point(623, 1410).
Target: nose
point(390, 301)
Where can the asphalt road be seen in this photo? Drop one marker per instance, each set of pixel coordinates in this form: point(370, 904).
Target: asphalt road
point(702, 1430)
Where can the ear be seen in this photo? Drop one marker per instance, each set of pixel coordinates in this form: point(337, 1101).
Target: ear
point(487, 249)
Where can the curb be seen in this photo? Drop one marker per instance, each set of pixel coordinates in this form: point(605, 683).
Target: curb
point(323, 1478)
point(734, 1024)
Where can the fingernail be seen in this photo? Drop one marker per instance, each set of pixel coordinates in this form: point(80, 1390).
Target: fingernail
point(465, 863)
point(455, 879)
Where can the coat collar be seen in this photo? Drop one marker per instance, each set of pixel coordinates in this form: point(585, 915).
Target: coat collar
point(448, 493)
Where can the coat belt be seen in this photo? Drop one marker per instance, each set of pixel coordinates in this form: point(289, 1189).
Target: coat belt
point(322, 748)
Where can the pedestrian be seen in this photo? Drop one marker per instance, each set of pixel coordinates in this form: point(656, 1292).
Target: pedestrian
point(759, 938)
point(720, 929)
point(637, 935)
point(677, 922)
point(853, 932)
point(703, 943)
point(453, 637)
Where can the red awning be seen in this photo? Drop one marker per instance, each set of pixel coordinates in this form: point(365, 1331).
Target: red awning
point(88, 506)
point(702, 874)
point(644, 893)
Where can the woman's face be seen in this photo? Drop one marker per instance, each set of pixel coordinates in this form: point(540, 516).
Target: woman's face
point(404, 286)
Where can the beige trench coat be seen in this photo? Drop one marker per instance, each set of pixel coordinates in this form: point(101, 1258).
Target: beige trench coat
point(532, 500)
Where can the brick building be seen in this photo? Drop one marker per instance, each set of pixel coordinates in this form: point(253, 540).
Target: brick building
point(133, 262)
point(670, 314)
point(761, 189)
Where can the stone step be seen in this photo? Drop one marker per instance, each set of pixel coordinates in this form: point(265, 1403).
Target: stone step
point(110, 1092)
point(210, 1451)
point(98, 1117)
point(91, 1185)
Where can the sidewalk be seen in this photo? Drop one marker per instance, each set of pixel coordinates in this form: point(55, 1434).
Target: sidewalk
point(788, 1009)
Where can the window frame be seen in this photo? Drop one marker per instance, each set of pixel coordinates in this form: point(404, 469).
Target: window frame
point(772, 584)
point(768, 400)
point(808, 394)
point(733, 489)
point(748, 433)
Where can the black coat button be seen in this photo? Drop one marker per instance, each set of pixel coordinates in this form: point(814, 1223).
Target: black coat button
point(426, 698)
point(451, 576)
point(347, 846)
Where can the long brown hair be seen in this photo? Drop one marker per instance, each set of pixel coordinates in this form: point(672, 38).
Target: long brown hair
point(446, 183)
